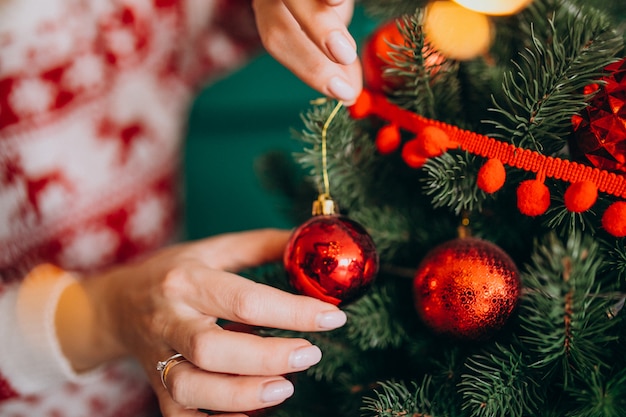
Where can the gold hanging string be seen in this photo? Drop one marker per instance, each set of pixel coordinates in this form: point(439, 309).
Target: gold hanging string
point(324, 151)
point(324, 204)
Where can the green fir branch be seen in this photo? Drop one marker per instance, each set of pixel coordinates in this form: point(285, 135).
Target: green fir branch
point(599, 395)
point(544, 89)
point(387, 225)
point(568, 222)
point(389, 9)
point(395, 399)
point(616, 259)
point(498, 384)
point(373, 322)
point(563, 313)
point(349, 155)
point(451, 182)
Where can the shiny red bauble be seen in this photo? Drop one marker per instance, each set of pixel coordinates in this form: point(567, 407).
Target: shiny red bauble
point(332, 258)
point(466, 288)
point(599, 131)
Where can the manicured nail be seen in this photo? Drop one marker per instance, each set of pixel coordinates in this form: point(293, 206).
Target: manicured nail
point(331, 319)
point(341, 89)
point(305, 357)
point(276, 391)
point(341, 49)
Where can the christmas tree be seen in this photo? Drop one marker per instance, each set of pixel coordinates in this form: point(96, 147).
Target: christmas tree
point(490, 173)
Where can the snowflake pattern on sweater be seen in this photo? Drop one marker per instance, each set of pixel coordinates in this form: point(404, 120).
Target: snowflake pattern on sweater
point(94, 96)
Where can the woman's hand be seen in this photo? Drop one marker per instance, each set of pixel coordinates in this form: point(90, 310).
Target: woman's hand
point(170, 303)
point(311, 39)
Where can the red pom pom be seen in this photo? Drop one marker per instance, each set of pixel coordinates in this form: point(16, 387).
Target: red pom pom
point(614, 219)
point(388, 139)
point(363, 105)
point(491, 176)
point(580, 196)
point(433, 141)
point(533, 198)
point(412, 155)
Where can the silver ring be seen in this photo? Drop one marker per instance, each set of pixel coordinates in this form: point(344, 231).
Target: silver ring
point(165, 366)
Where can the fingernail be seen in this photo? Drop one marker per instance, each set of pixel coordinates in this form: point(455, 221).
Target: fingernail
point(276, 391)
point(341, 48)
point(341, 89)
point(331, 319)
point(305, 357)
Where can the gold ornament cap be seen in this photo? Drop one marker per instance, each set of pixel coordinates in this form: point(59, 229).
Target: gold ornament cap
point(324, 205)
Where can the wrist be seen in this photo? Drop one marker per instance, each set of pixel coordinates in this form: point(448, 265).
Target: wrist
point(83, 337)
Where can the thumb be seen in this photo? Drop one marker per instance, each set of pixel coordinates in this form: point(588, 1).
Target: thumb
point(236, 251)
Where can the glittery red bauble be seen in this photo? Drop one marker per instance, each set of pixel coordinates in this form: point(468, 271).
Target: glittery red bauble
point(466, 288)
point(600, 129)
point(332, 258)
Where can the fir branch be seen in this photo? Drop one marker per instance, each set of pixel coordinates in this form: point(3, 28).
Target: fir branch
point(498, 385)
point(373, 322)
point(395, 399)
point(451, 182)
point(544, 89)
point(388, 227)
point(600, 396)
point(616, 259)
point(430, 85)
point(567, 222)
point(390, 8)
point(349, 155)
point(562, 311)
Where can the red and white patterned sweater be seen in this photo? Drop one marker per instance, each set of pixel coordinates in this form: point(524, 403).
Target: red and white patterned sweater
point(94, 97)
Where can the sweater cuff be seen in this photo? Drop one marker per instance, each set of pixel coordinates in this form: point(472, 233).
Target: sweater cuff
point(36, 360)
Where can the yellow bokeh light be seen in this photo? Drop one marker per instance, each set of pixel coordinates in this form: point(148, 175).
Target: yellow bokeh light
point(494, 7)
point(456, 32)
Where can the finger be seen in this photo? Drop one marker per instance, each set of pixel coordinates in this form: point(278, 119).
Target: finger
point(211, 348)
point(170, 408)
point(335, 3)
point(220, 294)
point(237, 251)
point(325, 26)
point(289, 44)
point(191, 387)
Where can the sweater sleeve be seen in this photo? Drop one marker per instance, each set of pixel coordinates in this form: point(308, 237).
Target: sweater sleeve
point(32, 359)
point(221, 36)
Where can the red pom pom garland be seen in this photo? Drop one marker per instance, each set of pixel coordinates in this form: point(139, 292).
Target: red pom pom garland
point(585, 181)
point(388, 139)
point(533, 198)
point(614, 219)
point(433, 142)
point(581, 196)
point(491, 176)
point(412, 154)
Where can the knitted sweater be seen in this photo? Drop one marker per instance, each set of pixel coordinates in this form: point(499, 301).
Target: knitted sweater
point(94, 97)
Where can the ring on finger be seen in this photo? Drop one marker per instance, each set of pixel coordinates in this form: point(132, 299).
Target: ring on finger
point(164, 367)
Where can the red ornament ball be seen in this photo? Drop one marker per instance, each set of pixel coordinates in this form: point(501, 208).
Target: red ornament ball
point(466, 288)
point(332, 258)
point(376, 56)
point(599, 131)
